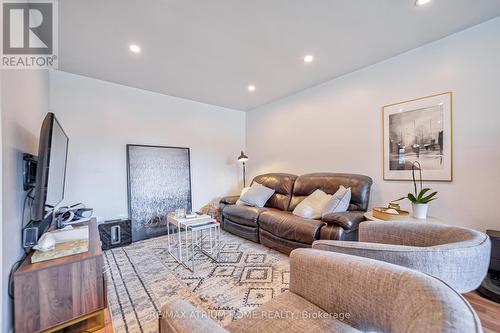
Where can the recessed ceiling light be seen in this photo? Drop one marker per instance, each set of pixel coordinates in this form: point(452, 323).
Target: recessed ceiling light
point(308, 58)
point(251, 88)
point(421, 2)
point(134, 48)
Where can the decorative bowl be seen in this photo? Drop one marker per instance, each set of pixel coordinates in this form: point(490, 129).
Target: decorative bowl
point(387, 214)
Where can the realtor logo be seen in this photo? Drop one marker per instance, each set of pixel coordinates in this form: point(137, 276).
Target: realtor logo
point(29, 34)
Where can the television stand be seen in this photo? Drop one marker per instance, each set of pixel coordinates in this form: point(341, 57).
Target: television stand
point(62, 293)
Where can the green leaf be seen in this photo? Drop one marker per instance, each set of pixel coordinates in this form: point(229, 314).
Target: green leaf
point(428, 198)
point(422, 193)
point(412, 198)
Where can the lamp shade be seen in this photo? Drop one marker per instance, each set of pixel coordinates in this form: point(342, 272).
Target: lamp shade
point(242, 157)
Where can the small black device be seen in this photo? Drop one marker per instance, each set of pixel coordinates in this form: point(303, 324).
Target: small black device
point(490, 287)
point(29, 171)
point(34, 230)
point(30, 237)
point(115, 233)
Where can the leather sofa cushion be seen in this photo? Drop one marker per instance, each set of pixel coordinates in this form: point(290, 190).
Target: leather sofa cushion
point(291, 227)
point(229, 200)
point(347, 220)
point(245, 215)
point(329, 183)
point(282, 184)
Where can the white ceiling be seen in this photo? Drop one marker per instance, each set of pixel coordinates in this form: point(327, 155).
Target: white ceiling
point(210, 51)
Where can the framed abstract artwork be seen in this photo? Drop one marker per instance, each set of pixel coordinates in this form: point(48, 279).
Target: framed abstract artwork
point(159, 182)
point(418, 130)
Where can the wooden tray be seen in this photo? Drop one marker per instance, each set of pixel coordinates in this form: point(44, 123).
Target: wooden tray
point(380, 213)
point(62, 250)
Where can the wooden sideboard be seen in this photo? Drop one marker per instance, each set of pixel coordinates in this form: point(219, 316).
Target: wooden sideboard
point(62, 293)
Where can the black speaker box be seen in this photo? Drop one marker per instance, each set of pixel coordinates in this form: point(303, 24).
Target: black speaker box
point(115, 233)
point(34, 230)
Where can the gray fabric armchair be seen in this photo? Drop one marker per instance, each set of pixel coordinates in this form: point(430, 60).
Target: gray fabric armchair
point(455, 255)
point(332, 292)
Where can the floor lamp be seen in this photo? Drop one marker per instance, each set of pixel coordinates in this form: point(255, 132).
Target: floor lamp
point(243, 158)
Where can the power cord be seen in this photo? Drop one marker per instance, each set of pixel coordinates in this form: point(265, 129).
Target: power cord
point(26, 198)
point(16, 265)
point(23, 215)
point(11, 274)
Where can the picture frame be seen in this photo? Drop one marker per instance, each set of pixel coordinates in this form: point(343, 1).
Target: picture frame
point(420, 130)
point(158, 182)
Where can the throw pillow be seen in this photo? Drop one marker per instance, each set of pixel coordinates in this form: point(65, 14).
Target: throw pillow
point(257, 195)
point(243, 191)
point(339, 202)
point(312, 206)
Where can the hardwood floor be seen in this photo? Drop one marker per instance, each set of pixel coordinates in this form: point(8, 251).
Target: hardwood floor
point(488, 311)
point(109, 325)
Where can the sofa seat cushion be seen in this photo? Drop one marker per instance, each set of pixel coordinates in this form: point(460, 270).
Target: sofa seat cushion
point(288, 226)
point(291, 313)
point(245, 215)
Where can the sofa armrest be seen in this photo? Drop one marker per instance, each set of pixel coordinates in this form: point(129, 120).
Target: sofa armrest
point(367, 250)
point(324, 277)
point(181, 317)
point(349, 220)
point(344, 284)
point(229, 200)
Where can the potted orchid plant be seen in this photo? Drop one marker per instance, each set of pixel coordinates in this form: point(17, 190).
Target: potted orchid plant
point(419, 199)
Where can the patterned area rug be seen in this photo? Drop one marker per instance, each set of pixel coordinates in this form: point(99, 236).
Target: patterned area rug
point(143, 276)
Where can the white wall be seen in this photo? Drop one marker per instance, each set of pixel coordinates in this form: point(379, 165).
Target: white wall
point(100, 118)
point(25, 96)
point(337, 126)
point(2, 291)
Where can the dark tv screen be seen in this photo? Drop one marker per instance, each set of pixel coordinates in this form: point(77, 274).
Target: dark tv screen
point(51, 167)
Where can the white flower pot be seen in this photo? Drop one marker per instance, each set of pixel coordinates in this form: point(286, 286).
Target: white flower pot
point(420, 210)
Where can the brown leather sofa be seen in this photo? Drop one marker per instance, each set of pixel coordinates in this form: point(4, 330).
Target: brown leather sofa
point(276, 227)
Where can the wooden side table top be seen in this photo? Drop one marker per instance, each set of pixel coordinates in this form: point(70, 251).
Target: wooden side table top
point(369, 217)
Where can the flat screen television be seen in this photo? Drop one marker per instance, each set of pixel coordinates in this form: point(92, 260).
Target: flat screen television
point(51, 168)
